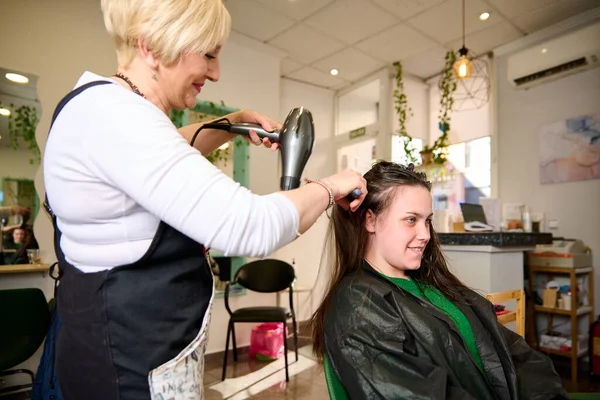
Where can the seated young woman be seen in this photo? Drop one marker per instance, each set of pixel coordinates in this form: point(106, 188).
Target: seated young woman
point(395, 323)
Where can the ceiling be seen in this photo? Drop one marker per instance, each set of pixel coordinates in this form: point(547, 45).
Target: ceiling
point(319, 35)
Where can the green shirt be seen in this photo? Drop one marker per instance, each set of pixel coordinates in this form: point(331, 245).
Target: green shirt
point(436, 298)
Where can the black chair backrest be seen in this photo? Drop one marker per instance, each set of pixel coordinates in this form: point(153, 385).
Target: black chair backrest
point(24, 312)
point(266, 276)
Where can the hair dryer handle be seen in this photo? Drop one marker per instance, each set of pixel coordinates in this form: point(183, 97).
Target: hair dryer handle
point(355, 194)
point(243, 128)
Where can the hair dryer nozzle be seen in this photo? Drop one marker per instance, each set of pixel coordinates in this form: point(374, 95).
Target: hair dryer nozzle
point(296, 139)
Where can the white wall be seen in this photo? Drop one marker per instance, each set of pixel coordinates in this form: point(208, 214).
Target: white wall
point(520, 115)
point(15, 164)
point(417, 95)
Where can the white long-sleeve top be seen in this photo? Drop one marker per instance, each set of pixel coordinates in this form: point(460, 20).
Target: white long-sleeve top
point(115, 166)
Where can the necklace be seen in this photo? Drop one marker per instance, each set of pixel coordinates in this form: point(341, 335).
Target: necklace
point(131, 85)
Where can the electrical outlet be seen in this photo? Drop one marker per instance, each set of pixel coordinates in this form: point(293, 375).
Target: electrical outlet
point(552, 223)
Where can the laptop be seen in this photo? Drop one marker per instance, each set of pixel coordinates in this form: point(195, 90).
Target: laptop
point(474, 218)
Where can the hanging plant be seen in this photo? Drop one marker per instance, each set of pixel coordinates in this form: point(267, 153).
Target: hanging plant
point(447, 87)
point(219, 155)
point(437, 152)
point(22, 123)
point(403, 111)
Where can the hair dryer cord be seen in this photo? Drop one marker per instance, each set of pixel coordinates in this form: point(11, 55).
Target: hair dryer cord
point(216, 124)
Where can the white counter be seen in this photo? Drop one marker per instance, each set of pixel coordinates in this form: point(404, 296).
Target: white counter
point(487, 269)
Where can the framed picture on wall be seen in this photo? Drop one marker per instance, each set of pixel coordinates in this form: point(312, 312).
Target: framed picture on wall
point(570, 150)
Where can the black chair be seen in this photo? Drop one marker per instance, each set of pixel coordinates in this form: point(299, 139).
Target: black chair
point(264, 276)
point(25, 318)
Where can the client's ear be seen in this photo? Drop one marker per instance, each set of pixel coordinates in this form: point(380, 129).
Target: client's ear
point(370, 221)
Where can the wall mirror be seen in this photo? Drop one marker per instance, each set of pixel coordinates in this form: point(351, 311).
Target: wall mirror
point(19, 161)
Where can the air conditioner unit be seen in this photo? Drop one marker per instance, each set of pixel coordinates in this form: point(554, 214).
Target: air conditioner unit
point(571, 53)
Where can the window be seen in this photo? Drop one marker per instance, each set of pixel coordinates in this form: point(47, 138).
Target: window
point(473, 163)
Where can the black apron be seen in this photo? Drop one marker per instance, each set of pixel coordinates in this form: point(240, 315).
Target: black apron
point(120, 324)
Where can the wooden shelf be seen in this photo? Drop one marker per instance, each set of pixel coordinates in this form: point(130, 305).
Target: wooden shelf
point(23, 268)
point(558, 270)
point(580, 311)
point(575, 353)
point(508, 317)
point(560, 352)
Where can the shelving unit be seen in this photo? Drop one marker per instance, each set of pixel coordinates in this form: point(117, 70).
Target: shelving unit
point(574, 313)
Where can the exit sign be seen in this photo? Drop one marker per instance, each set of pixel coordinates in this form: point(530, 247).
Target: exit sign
point(358, 132)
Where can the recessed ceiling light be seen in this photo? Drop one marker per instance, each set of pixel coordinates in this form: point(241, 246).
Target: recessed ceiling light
point(544, 51)
point(5, 112)
point(334, 72)
point(16, 78)
point(484, 16)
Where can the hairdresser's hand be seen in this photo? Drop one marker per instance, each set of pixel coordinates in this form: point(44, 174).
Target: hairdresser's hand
point(253, 117)
point(18, 210)
point(342, 184)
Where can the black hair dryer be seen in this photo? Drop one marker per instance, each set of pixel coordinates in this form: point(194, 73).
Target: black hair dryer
point(296, 140)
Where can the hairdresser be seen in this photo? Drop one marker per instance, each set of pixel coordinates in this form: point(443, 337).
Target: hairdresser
point(136, 206)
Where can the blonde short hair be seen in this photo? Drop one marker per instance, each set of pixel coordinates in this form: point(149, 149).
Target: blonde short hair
point(170, 28)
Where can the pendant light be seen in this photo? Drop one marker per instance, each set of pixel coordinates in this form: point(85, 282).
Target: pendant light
point(463, 67)
point(472, 76)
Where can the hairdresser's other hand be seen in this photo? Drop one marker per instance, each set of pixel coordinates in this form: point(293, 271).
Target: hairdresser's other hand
point(253, 117)
point(342, 184)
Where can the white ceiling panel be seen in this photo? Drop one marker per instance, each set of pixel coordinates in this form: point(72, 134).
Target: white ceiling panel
point(487, 39)
point(358, 37)
point(340, 85)
point(316, 77)
point(404, 9)
point(289, 65)
point(427, 64)
point(351, 64)
point(255, 20)
point(444, 21)
point(552, 14)
point(361, 19)
point(305, 44)
point(396, 43)
point(513, 8)
point(296, 9)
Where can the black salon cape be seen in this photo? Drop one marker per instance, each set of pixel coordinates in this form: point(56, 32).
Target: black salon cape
point(385, 343)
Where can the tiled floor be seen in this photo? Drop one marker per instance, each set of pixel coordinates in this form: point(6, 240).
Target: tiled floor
point(306, 384)
point(310, 383)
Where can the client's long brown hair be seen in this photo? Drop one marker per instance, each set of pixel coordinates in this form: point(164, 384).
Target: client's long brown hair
point(350, 239)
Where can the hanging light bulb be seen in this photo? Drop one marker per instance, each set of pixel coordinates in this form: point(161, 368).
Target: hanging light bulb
point(463, 67)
